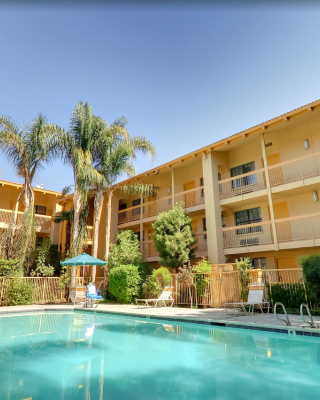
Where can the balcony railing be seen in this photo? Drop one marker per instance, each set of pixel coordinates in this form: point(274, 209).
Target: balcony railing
point(43, 222)
point(242, 184)
point(247, 235)
point(294, 170)
point(298, 228)
point(191, 198)
point(149, 249)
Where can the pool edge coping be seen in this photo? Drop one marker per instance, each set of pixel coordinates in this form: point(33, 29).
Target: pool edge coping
point(292, 330)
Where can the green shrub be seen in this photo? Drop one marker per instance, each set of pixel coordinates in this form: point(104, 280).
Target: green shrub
point(155, 283)
point(9, 267)
point(124, 282)
point(291, 295)
point(201, 268)
point(244, 277)
point(126, 250)
point(20, 292)
point(311, 272)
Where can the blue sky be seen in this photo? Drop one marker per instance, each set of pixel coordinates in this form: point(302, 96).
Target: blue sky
point(183, 77)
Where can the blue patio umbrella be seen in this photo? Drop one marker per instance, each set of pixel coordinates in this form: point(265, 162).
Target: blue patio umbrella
point(84, 259)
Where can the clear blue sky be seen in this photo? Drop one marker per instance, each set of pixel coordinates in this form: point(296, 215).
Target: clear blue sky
point(183, 77)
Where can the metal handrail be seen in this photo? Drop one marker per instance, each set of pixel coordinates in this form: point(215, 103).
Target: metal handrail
point(311, 322)
point(287, 321)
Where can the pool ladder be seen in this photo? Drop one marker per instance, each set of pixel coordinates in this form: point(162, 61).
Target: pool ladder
point(311, 323)
point(287, 320)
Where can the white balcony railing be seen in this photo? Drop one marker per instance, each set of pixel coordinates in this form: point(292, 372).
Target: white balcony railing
point(298, 228)
point(247, 235)
point(191, 198)
point(242, 184)
point(294, 170)
point(43, 222)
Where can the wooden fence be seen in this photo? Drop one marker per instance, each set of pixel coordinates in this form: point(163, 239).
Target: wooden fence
point(46, 290)
point(224, 287)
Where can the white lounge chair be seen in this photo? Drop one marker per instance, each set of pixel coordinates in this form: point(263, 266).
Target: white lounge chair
point(255, 298)
point(165, 296)
point(80, 294)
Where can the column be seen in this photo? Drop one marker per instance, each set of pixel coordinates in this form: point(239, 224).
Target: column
point(266, 171)
point(213, 209)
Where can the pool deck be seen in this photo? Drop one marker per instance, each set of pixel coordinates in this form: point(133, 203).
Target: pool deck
point(208, 315)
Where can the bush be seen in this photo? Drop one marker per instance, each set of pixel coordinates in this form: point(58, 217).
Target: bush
point(244, 277)
point(291, 295)
point(201, 268)
point(20, 292)
point(155, 283)
point(124, 282)
point(9, 267)
point(311, 272)
point(126, 250)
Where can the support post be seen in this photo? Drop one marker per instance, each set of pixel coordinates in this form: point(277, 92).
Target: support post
point(213, 209)
point(266, 171)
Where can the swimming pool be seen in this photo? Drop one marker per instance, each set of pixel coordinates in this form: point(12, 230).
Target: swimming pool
point(100, 356)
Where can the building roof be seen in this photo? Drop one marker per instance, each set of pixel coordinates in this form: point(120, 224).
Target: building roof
point(263, 127)
point(18, 185)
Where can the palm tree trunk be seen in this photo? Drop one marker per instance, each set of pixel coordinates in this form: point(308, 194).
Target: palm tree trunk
point(76, 222)
point(108, 235)
point(98, 202)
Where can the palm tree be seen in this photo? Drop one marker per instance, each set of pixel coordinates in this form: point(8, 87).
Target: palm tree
point(115, 158)
point(65, 216)
point(80, 143)
point(28, 149)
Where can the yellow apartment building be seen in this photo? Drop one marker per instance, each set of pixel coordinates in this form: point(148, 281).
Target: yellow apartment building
point(46, 207)
point(255, 194)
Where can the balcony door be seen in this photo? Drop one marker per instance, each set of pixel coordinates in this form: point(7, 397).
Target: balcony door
point(283, 228)
point(189, 198)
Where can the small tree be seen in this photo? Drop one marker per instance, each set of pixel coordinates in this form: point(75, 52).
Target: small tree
point(244, 277)
point(155, 283)
point(311, 273)
point(43, 269)
point(126, 250)
point(186, 277)
point(201, 268)
point(173, 237)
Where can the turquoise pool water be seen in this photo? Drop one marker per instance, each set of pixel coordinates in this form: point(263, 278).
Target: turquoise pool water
point(96, 356)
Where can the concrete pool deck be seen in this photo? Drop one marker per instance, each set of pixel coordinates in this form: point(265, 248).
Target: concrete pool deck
point(178, 314)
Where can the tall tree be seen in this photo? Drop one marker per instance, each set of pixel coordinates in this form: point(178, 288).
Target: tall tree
point(114, 159)
point(81, 141)
point(29, 149)
point(173, 237)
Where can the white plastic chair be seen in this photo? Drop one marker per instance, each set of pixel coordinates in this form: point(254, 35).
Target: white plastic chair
point(255, 298)
point(165, 296)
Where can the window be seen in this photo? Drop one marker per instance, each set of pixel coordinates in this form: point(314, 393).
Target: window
point(138, 235)
point(40, 210)
point(204, 228)
point(219, 179)
point(243, 169)
point(39, 241)
point(246, 217)
point(202, 190)
point(259, 263)
point(136, 211)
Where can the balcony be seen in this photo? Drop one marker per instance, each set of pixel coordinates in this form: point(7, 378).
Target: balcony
point(43, 222)
point(193, 199)
point(248, 238)
point(242, 184)
point(295, 170)
point(293, 232)
point(301, 231)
